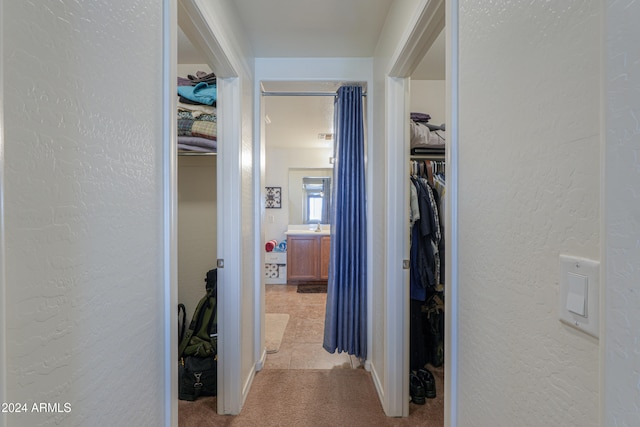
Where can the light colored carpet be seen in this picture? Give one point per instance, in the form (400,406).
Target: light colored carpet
(312,398)
(275,324)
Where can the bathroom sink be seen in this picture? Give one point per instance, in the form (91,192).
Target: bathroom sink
(307,232)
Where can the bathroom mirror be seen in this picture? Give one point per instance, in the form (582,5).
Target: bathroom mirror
(309,196)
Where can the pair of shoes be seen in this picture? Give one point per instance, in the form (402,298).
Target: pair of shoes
(416,389)
(428,381)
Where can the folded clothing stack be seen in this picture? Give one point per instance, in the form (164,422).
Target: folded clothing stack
(197,115)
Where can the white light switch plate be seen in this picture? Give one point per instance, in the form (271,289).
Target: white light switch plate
(580,293)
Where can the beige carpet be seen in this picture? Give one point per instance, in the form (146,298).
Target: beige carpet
(312,398)
(275,324)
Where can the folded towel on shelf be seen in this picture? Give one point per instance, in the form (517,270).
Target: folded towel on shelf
(197,109)
(198,142)
(270,245)
(187,147)
(420,117)
(203,93)
(202,128)
(282,246)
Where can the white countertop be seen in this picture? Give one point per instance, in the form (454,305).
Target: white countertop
(307,229)
(307,232)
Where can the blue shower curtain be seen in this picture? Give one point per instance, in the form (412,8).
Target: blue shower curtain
(345,323)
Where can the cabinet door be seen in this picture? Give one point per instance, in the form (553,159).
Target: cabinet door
(302,258)
(325,254)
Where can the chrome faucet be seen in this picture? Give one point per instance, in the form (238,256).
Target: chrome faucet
(319,227)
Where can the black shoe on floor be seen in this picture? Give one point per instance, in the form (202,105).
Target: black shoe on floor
(428,381)
(416,389)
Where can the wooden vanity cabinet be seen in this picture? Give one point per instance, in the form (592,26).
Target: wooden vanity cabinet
(308,258)
(325,254)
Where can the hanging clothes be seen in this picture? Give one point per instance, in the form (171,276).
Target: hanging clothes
(426,335)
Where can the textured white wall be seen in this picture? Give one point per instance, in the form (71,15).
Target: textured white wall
(83,116)
(622,213)
(528,191)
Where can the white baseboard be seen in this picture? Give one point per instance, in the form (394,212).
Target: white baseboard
(256,368)
(263,359)
(376,381)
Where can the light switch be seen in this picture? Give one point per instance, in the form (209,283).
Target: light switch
(580,293)
(577,294)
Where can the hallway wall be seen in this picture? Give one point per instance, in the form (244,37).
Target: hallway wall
(529,144)
(84,215)
(621,210)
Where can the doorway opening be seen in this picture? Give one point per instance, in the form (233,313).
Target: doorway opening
(298,139)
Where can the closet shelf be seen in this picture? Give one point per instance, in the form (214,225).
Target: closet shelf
(196,153)
(427,157)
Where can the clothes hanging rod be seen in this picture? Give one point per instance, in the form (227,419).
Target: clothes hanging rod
(302,94)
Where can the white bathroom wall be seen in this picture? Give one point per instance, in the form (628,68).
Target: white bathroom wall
(83,194)
(291,141)
(429,96)
(621,210)
(279,160)
(529,146)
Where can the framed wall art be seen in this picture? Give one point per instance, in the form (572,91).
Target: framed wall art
(273,198)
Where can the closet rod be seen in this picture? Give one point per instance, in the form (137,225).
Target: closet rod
(302,94)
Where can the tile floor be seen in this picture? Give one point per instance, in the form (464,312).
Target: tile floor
(301,346)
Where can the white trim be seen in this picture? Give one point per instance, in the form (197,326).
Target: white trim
(260,351)
(3,279)
(376,382)
(396,328)
(451,220)
(602,342)
(195,26)
(229,186)
(419,37)
(170,214)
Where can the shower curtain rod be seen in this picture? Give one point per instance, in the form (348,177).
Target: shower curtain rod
(302,94)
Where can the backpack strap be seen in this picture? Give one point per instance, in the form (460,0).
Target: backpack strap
(182,318)
(194,325)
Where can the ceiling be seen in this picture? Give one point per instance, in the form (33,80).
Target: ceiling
(312,28)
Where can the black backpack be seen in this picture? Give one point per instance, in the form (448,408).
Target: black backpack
(198,351)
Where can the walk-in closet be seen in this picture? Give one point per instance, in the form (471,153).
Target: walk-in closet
(427,184)
(197,219)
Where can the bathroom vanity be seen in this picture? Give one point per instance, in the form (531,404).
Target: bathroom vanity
(308,256)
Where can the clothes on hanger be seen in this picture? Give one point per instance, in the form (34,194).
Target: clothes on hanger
(427,190)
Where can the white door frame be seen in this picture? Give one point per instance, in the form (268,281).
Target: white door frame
(200,29)
(3,311)
(427,24)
